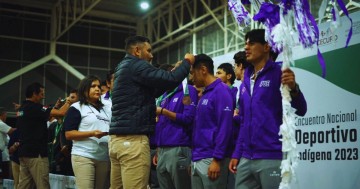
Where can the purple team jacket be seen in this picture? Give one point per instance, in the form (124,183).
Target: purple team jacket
(170,133)
(213,122)
(261,114)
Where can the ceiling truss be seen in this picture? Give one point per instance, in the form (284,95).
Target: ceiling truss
(175,20)
(167,24)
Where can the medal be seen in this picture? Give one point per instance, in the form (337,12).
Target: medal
(186,100)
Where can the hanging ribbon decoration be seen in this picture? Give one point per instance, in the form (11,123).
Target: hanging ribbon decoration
(269,16)
(240,14)
(345,11)
(283,38)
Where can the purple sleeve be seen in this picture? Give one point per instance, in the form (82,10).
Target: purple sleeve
(224,112)
(188,114)
(299,103)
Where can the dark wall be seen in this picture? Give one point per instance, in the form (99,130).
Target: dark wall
(16,54)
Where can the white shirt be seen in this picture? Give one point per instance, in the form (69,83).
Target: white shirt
(252,80)
(92,119)
(4,129)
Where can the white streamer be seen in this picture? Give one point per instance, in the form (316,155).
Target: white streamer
(283,38)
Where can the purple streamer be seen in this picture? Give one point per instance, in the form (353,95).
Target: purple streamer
(333,14)
(269,15)
(307,28)
(240,14)
(322,63)
(313,22)
(343,8)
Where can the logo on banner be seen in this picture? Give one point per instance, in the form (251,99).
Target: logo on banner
(327,37)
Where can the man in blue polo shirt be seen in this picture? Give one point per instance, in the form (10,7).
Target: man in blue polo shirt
(212,127)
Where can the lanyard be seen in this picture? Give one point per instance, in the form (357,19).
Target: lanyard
(161,98)
(57,130)
(98,111)
(185,91)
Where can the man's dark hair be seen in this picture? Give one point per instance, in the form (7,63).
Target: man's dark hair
(228,69)
(84,88)
(134,40)
(166,67)
(240,58)
(109,75)
(33,88)
(204,60)
(2,111)
(256,35)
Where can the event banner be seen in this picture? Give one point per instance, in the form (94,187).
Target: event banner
(328,136)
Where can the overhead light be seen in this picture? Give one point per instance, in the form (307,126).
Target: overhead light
(144,5)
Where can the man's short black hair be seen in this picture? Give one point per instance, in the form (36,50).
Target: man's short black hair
(205,60)
(33,88)
(134,40)
(228,69)
(240,58)
(256,35)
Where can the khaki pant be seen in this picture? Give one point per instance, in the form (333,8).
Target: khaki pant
(90,173)
(34,170)
(130,161)
(15,168)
